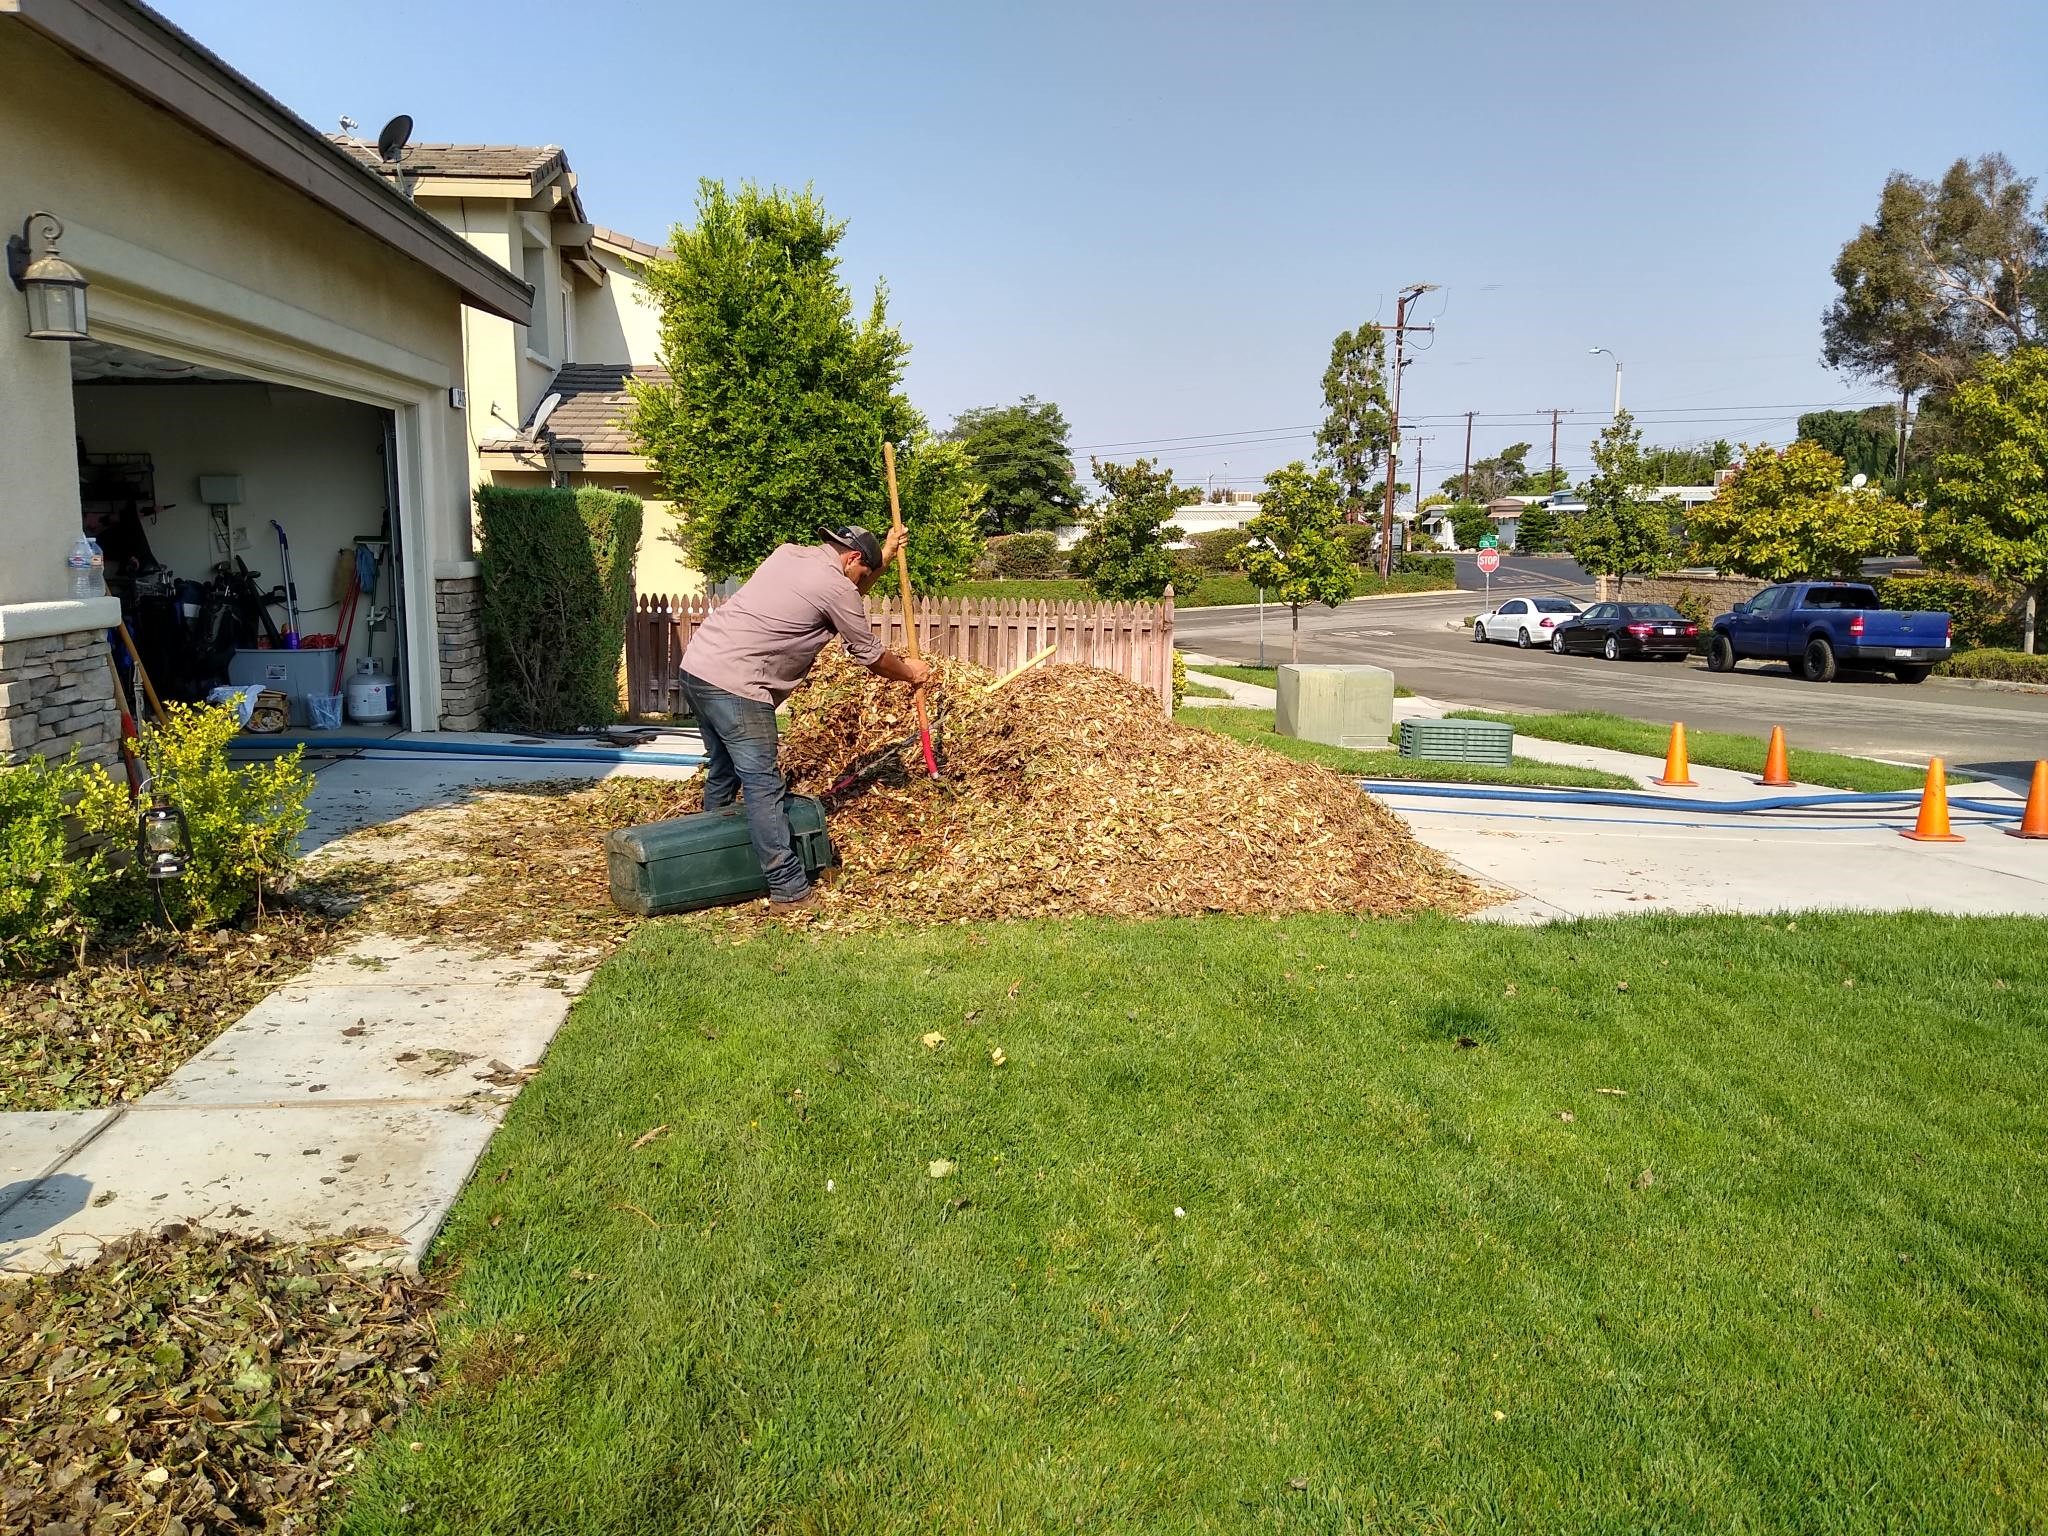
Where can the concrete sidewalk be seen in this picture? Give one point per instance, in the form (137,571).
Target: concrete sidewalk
(358,1096)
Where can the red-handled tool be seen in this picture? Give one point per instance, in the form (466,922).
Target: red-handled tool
(924,724)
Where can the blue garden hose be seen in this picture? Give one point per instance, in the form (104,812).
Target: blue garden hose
(1629,800)
(542,753)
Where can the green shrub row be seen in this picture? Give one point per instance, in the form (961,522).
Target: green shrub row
(557,568)
(67,839)
(2001,665)
(1021,557)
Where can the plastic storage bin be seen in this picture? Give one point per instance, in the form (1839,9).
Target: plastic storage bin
(705,860)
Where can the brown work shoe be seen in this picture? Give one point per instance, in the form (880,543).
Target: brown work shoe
(795,906)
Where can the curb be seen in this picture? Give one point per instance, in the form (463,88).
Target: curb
(1996,684)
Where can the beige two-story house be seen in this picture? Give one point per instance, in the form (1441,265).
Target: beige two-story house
(592,329)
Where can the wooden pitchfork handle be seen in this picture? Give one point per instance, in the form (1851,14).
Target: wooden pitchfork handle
(924,725)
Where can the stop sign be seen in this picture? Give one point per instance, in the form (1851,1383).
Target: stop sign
(1489,560)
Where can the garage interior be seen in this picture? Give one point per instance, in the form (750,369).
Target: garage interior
(184,469)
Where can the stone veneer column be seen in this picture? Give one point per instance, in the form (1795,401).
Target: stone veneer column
(56,693)
(459,616)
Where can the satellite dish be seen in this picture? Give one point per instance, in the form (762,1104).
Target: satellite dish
(543,411)
(1859,482)
(392,139)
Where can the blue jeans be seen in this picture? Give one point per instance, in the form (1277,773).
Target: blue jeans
(739,755)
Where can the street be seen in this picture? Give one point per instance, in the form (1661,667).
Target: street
(1981,730)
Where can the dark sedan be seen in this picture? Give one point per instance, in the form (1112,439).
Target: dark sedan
(1616,630)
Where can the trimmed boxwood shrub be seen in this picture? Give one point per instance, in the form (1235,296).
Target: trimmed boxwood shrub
(1025,557)
(2004,666)
(557,589)
(1438,567)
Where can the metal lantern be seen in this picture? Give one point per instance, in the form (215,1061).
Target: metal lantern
(162,841)
(55,288)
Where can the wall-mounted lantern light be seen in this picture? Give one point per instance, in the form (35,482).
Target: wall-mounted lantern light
(55,288)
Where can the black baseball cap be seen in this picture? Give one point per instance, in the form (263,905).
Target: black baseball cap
(859,540)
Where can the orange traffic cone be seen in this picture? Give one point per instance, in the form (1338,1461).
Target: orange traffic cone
(1932,824)
(1677,771)
(1777,764)
(2034,823)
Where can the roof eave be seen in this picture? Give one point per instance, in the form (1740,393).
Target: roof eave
(165,66)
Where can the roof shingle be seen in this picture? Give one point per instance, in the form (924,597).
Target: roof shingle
(486,162)
(591,417)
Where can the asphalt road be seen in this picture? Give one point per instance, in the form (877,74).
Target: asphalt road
(1986,730)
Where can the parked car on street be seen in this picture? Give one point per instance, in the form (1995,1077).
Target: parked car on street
(1524,621)
(1616,630)
(1823,626)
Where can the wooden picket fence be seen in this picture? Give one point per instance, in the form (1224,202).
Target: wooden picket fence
(1135,639)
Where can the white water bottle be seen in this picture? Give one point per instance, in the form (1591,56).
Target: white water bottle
(88,569)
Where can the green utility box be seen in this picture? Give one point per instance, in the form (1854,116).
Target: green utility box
(1340,706)
(705,860)
(1459,741)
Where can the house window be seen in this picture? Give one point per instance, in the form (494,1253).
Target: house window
(536,275)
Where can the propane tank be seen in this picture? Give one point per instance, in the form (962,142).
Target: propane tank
(372,696)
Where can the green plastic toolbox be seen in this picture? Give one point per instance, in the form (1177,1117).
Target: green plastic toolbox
(705,860)
(1459,741)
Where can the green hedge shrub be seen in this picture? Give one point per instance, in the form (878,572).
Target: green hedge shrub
(1983,614)
(1442,568)
(1216,552)
(45,882)
(1025,557)
(2004,666)
(558,589)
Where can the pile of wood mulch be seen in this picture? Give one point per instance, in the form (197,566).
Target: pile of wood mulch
(1067,792)
(190,1381)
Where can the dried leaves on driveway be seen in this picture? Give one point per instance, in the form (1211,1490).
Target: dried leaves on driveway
(111,1028)
(195,1381)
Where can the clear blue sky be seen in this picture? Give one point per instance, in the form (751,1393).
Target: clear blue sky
(1159,214)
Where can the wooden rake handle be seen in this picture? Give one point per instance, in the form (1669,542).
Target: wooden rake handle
(924,724)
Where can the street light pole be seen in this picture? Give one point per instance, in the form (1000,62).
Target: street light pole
(1595,352)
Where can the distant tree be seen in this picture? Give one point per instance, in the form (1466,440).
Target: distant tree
(1470,522)
(1123,555)
(1505,474)
(1865,441)
(1544,482)
(778,400)
(1988,505)
(1020,453)
(1295,548)
(1622,532)
(1536,530)
(1946,273)
(1353,437)
(941,496)
(1696,464)
(1787,516)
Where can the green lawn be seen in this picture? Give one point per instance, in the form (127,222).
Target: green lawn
(1268,677)
(1210,592)
(1256,727)
(1716,749)
(1195,690)
(1243,1238)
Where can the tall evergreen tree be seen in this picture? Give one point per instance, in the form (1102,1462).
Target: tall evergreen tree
(1020,453)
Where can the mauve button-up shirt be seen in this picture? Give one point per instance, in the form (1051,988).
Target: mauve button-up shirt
(761,641)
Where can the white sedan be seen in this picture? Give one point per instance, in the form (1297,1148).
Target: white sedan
(1526,621)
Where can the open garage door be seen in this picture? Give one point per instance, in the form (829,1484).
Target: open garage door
(251,529)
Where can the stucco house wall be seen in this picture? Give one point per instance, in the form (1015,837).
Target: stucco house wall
(195,252)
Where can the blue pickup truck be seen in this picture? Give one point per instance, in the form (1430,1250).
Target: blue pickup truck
(1821,627)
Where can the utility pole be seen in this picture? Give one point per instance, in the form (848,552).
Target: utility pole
(1465,485)
(1554,414)
(1419,441)
(1400,328)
